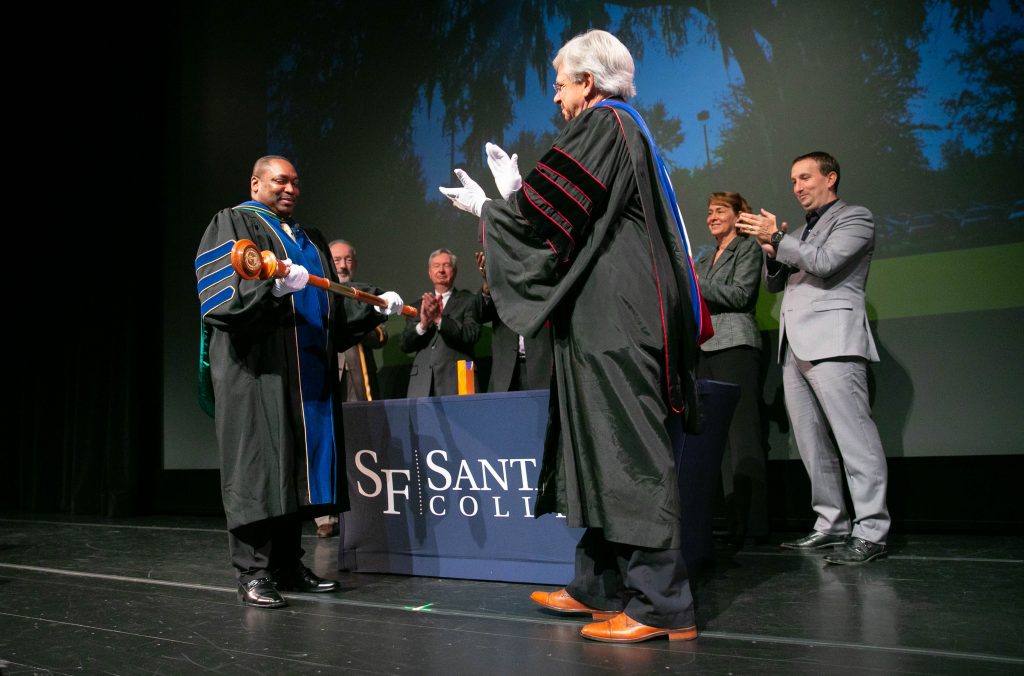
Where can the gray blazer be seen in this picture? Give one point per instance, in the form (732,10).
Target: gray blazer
(823,312)
(730,287)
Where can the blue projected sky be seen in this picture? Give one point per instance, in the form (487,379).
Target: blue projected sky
(698,79)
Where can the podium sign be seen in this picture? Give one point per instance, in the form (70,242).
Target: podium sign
(446,486)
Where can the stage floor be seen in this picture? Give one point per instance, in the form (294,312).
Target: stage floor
(156,595)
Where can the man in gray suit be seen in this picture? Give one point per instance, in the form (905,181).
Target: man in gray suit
(446,331)
(824,346)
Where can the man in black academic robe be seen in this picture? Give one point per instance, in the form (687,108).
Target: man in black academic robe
(273,348)
(590,243)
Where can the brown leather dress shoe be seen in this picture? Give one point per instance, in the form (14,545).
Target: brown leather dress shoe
(561,602)
(624,629)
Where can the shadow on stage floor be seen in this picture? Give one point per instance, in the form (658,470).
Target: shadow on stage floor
(156,595)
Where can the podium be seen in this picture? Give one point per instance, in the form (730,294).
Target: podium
(445,487)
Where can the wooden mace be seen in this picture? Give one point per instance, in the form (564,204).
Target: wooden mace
(251,263)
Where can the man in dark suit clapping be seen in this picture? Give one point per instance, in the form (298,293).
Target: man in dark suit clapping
(446,331)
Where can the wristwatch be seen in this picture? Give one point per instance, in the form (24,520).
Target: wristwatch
(777,237)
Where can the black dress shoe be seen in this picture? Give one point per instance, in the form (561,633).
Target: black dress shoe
(815,540)
(857,550)
(305,580)
(260,593)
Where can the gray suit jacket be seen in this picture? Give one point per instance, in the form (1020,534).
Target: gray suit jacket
(730,288)
(823,310)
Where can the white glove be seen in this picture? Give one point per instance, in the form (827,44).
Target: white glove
(505,170)
(395,303)
(294,281)
(470,197)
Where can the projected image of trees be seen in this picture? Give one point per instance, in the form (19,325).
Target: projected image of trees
(920,101)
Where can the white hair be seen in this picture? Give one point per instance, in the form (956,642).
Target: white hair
(342,241)
(602,55)
(438,252)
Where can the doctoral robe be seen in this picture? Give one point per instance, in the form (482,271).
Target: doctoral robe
(590,243)
(274,371)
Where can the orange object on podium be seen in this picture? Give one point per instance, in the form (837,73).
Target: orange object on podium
(467,377)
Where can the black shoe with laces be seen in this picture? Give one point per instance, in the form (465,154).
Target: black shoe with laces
(304,580)
(260,593)
(816,540)
(857,550)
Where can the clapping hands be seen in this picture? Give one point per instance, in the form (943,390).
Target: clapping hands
(470,197)
(430,310)
(505,170)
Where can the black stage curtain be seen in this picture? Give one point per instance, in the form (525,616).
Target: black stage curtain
(87,419)
(83,279)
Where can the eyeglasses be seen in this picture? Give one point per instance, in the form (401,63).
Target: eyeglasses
(558,86)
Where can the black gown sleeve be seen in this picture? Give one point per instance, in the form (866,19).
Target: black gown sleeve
(227,301)
(534,239)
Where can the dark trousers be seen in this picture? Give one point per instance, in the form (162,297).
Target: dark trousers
(744,476)
(649,585)
(261,548)
(519,377)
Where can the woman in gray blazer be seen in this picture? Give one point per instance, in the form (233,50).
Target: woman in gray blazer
(729,280)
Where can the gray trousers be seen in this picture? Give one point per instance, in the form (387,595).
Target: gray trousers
(833,395)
